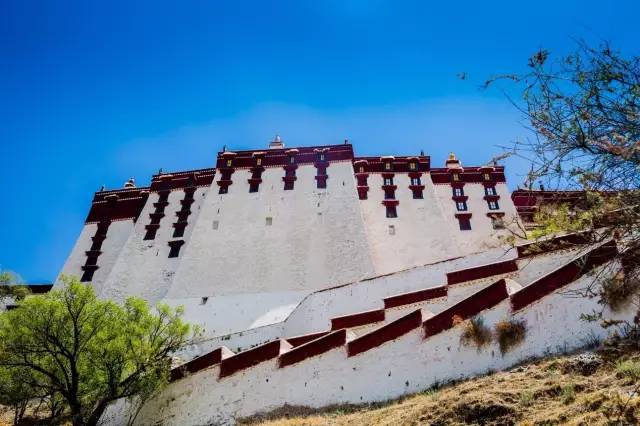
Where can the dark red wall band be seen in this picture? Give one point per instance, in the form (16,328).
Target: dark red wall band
(563,276)
(386,333)
(467,308)
(483,271)
(313,348)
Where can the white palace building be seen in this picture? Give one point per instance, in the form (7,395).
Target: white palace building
(320,277)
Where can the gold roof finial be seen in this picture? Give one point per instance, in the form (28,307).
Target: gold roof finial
(452,156)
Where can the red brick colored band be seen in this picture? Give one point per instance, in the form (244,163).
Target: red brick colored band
(415,297)
(200,363)
(117,205)
(313,348)
(355,320)
(563,275)
(251,357)
(384,334)
(281,157)
(484,299)
(304,338)
(483,271)
(557,243)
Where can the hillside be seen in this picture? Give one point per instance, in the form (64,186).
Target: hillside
(581,389)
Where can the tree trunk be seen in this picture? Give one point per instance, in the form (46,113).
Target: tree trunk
(97,412)
(76,414)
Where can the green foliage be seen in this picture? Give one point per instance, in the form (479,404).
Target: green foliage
(10,289)
(90,351)
(568,394)
(16,390)
(526,398)
(629,369)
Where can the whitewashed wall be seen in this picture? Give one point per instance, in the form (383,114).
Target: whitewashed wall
(406,365)
(143,267)
(315,311)
(235,313)
(117,235)
(420,233)
(482,235)
(316,239)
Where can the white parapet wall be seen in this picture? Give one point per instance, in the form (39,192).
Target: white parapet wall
(404,365)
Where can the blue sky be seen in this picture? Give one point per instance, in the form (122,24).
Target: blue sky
(92,93)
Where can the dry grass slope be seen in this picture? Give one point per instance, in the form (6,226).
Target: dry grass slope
(583,389)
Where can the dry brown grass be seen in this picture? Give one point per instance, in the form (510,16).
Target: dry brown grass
(574,390)
(475,333)
(510,333)
(618,292)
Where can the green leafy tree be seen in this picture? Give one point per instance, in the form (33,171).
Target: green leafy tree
(10,290)
(88,351)
(16,391)
(584,112)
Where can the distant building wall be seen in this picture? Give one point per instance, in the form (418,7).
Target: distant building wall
(276,240)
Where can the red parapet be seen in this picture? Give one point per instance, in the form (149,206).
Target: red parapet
(313,348)
(281,157)
(415,297)
(398,164)
(558,243)
(356,320)
(252,357)
(483,271)
(563,275)
(117,205)
(205,361)
(304,338)
(484,299)
(467,175)
(384,334)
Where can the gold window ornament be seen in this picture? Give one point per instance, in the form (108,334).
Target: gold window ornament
(456,177)
(229,163)
(361,169)
(292,159)
(259,162)
(387,166)
(487,176)
(412,166)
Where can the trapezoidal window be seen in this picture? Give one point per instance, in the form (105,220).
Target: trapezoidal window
(392,212)
(253,187)
(490,190)
(465,224)
(174,248)
(493,205)
(458,192)
(388,181)
(415,181)
(461,206)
